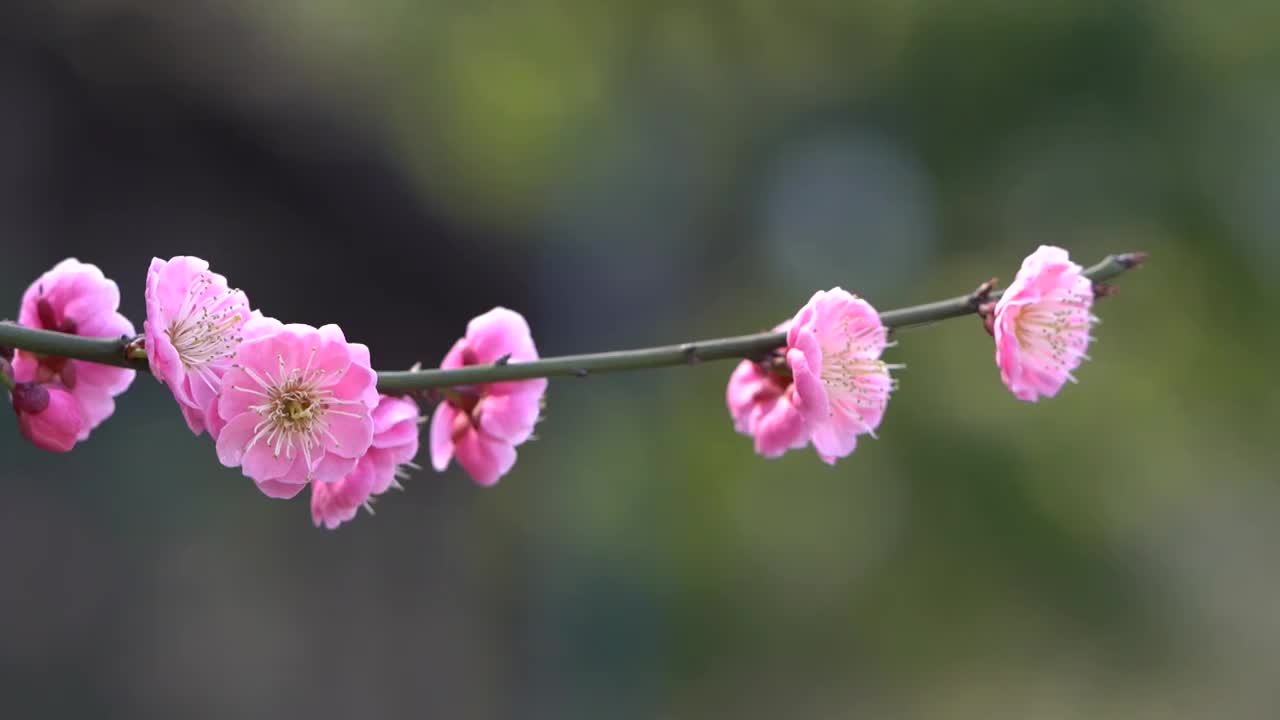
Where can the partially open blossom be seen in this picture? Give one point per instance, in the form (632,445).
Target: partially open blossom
(395,443)
(841,386)
(47,416)
(1041,324)
(297,405)
(481,425)
(76,298)
(193,328)
(762,401)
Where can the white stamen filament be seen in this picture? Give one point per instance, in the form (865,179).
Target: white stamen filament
(206,330)
(853,373)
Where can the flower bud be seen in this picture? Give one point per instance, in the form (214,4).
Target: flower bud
(6,372)
(48,416)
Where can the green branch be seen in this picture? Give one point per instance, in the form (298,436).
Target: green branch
(122,352)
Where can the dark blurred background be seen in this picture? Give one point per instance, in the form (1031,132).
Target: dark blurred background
(633,172)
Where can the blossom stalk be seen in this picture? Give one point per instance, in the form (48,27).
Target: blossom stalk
(116,352)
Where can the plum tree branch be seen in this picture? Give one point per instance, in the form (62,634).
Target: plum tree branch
(124,351)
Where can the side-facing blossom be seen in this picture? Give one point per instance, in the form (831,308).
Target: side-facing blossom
(395,443)
(47,416)
(1041,324)
(76,298)
(193,327)
(298,407)
(762,402)
(827,386)
(481,425)
(833,349)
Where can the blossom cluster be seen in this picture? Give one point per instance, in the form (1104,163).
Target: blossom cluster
(296,407)
(828,385)
(292,406)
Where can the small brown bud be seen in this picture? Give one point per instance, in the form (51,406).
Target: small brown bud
(1102,290)
(983,292)
(1132,259)
(987,311)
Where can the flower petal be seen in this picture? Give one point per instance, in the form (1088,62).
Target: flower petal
(332,468)
(280,489)
(484,458)
(442,435)
(235,437)
(500,332)
(267,461)
(779,428)
(511,418)
(811,394)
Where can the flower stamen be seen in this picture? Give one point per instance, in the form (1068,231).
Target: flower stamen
(205,332)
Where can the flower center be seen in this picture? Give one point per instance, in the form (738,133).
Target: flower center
(203,332)
(296,410)
(467,401)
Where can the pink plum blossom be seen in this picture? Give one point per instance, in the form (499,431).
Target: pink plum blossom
(395,443)
(76,298)
(762,402)
(193,328)
(47,416)
(841,386)
(298,407)
(481,425)
(1041,324)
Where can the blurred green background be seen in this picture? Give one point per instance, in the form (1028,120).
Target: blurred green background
(640,171)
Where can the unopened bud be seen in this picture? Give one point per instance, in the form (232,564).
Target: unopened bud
(987,311)
(1132,259)
(983,292)
(48,417)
